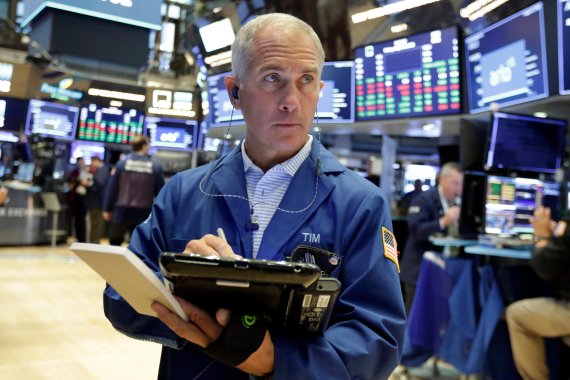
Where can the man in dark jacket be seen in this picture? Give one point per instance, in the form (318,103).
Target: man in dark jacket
(532,320)
(94,198)
(432,211)
(131,191)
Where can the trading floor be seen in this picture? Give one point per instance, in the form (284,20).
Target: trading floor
(52,324)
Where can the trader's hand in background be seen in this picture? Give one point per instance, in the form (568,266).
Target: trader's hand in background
(542,223)
(3,195)
(107,216)
(451,215)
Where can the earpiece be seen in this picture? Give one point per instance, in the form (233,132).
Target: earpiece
(235,92)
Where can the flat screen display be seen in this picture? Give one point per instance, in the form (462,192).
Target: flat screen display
(564,45)
(417,75)
(110,124)
(87,150)
(143,13)
(510,203)
(221,108)
(506,62)
(172,134)
(49,119)
(12,118)
(217,35)
(525,143)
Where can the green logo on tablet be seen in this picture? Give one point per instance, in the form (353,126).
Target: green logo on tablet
(248,320)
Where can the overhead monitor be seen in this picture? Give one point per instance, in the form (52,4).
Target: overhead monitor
(336,100)
(525,143)
(217,35)
(145,14)
(221,111)
(49,119)
(172,134)
(12,118)
(110,124)
(564,46)
(87,150)
(506,62)
(510,203)
(418,75)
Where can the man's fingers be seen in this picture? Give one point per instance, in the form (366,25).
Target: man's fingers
(210,245)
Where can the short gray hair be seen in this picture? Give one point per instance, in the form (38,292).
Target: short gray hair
(448,168)
(243,49)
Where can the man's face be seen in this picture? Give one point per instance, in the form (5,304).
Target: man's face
(451,185)
(279,94)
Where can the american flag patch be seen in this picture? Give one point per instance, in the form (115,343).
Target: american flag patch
(390,246)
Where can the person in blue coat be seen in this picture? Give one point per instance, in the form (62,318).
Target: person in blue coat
(278,189)
(432,211)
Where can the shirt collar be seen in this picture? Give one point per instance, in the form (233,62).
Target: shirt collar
(290,166)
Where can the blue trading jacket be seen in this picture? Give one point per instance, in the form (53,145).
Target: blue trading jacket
(365,334)
(423,220)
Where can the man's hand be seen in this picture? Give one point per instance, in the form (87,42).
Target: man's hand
(3,195)
(202,329)
(210,245)
(107,216)
(541,222)
(451,215)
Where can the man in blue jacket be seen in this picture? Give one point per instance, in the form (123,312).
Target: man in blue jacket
(432,211)
(279,189)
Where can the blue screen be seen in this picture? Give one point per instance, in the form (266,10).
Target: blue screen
(564,45)
(172,134)
(86,149)
(506,62)
(525,143)
(51,120)
(143,13)
(413,76)
(221,107)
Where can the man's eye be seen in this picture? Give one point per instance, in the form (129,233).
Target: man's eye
(272,77)
(307,79)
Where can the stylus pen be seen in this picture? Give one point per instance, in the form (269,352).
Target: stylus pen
(222,234)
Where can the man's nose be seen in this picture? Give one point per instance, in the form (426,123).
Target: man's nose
(289,101)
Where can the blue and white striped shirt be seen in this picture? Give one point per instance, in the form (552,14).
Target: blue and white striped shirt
(265,191)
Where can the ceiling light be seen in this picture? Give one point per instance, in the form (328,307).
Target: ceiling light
(399,28)
(428,127)
(543,115)
(397,7)
(480,8)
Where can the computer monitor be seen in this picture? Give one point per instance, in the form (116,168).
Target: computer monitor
(172,134)
(12,118)
(510,203)
(217,35)
(506,62)
(564,46)
(418,75)
(221,111)
(525,143)
(87,150)
(49,119)
(110,124)
(25,172)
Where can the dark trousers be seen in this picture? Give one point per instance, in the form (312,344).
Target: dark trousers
(409,292)
(118,230)
(79,213)
(97,230)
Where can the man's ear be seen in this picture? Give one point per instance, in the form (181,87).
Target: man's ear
(232,87)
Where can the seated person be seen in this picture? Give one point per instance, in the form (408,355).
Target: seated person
(531,320)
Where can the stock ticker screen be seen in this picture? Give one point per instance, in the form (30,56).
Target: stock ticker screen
(417,75)
(109,124)
(53,120)
(564,45)
(506,62)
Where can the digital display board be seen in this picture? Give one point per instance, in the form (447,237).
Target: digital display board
(172,134)
(525,143)
(12,118)
(86,150)
(417,75)
(51,120)
(564,45)
(506,62)
(336,100)
(221,107)
(110,124)
(143,13)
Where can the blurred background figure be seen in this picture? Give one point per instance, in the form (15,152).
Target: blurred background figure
(410,196)
(3,195)
(531,320)
(94,199)
(78,181)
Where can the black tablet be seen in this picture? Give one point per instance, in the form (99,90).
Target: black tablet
(250,285)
